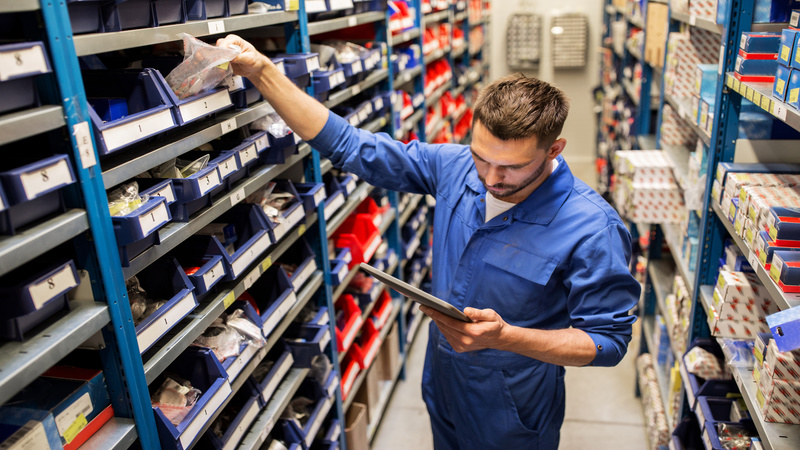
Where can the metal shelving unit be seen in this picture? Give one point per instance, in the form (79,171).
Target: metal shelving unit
(326,26)
(348,93)
(435,17)
(30,122)
(407,75)
(402,38)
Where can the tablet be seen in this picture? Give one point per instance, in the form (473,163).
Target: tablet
(415,294)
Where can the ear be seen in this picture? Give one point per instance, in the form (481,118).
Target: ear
(557,147)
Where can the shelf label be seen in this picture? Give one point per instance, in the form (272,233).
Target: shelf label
(343,273)
(213,275)
(729,81)
(266,264)
(262,143)
(234,83)
(229,125)
(83,138)
(209,181)
(244,424)
(216,27)
(190,432)
(167,192)
(237,196)
(279,313)
(766,103)
(43,180)
(319,196)
(312,64)
(756,97)
(692,20)
(122,135)
(72,415)
(736,85)
(43,292)
(248,154)
(779,110)
(229,299)
(22,62)
(153,219)
(352,21)
(30,436)
(161,324)
(206,105)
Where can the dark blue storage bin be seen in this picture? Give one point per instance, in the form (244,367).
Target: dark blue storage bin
(696,386)
(306,342)
(227,166)
(248,96)
(367,298)
(202,263)
(319,410)
(325,81)
(279,149)
(711,437)
(274,296)
(206,9)
(716,409)
(17,86)
(234,366)
(687,435)
(282,360)
(335,195)
(246,156)
(301,256)
(193,193)
(121,15)
(313,195)
(339,271)
(138,230)
(32,294)
(169,11)
(84,16)
(164,279)
(191,108)
(299,64)
(248,402)
(33,192)
(149,108)
(387,261)
(253,238)
(330,440)
(201,368)
(157,189)
(237,7)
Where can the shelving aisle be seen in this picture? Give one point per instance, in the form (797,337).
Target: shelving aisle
(135,359)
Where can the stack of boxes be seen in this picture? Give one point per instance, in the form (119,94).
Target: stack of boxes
(777,375)
(786,86)
(741,305)
(679,310)
(684,52)
(704,95)
(673,130)
(757,60)
(646,191)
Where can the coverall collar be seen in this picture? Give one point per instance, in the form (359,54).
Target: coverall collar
(542,205)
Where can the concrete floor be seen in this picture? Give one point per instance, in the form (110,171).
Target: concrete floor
(602,411)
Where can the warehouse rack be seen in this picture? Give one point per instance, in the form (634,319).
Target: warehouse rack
(87,226)
(715,227)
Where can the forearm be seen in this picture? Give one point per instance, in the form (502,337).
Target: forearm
(304,114)
(567,347)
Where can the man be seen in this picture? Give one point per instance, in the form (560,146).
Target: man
(532,255)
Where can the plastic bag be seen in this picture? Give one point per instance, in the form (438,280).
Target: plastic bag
(175,397)
(239,322)
(738,352)
(223,339)
(125,199)
(347,52)
(204,66)
(166,170)
(271,201)
(189,168)
(137,298)
(298,410)
(273,124)
(732,437)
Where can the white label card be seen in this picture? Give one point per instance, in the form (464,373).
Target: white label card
(312,64)
(204,106)
(227,167)
(216,26)
(266,393)
(277,315)
(81,406)
(319,196)
(237,196)
(301,278)
(37,182)
(124,134)
(30,437)
(193,429)
(158,327)
(352,21)
(248,154)
(249,255)
(350,186)
(247,420)
(294,217)
(334,205)
(208,181)
(213,275)
(83,138)
(343,273)
(154,218)
(44,291)
(356,89)
(238,364)
(779,110)
(229,125)
(167,192)
(721,58)
(753,259)
(331,390)
(22,62)
(325,339)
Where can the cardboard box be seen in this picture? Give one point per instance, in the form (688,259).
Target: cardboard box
(705,80)
(779,400)
(785,270)
(755,67)
(355,428)
(389,356)
(786,50)
(783,225)
(780,86)
(28,428)
(369,394)
(657,28)
(782,365)
(760,42)
(785,328)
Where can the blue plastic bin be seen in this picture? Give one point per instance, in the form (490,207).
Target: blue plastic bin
(253,238)
(192,108)
(246,156)
(84,16)
(121,15)
(274,296)
(282,360)
(200,367)
(164,279)
(33,192)
(149,108)
(301,256)
(138,230)
(687,435)
(167,12)
(194,192)
(306,342)
(202,265)
(325,81)
(234,366)
(249,403)
(313,195)
(157,189)
(206,9)
(32,294)
(292,213)
(17,86)
(318,410)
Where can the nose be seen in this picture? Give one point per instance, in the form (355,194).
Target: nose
(493,176)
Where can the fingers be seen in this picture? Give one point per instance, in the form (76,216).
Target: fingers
(480,315)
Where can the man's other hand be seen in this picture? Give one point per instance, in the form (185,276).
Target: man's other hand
(485,332)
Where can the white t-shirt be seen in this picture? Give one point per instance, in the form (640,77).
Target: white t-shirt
(495,207)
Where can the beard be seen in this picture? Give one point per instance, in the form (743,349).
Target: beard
(511,189)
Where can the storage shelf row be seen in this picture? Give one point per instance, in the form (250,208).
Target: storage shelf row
(183,334)
(783,300)
(174,233)
(436,54)
(91,44)
(405,36)
(21,362)
(683,111)
(435,17)
(407,75)
(325,26)
(30,122)
(363,374)
(648,330)
(346,94)
(761,95)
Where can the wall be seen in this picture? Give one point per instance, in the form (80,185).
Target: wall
(580,128)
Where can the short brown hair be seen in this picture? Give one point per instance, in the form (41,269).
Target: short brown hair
(518,107)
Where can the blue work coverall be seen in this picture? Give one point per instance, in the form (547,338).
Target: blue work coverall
(558,259)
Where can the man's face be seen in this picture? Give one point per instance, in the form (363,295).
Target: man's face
(510,170)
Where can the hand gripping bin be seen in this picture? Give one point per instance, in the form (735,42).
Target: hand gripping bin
(138,230)
(252,239)
(164,279)
(302,258)
(200,367)
(306,341)
(274,298)
(31,294)
(348,322)
(206,9)
(697,386)
(325,81)
(248,402)
(33,191)
(313,194)
(84,16)
(17,82)
(360,235)
(166,12)
(149,109)
(204,267)
(193,193)
(121,15)
(272,370)
(319,409)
